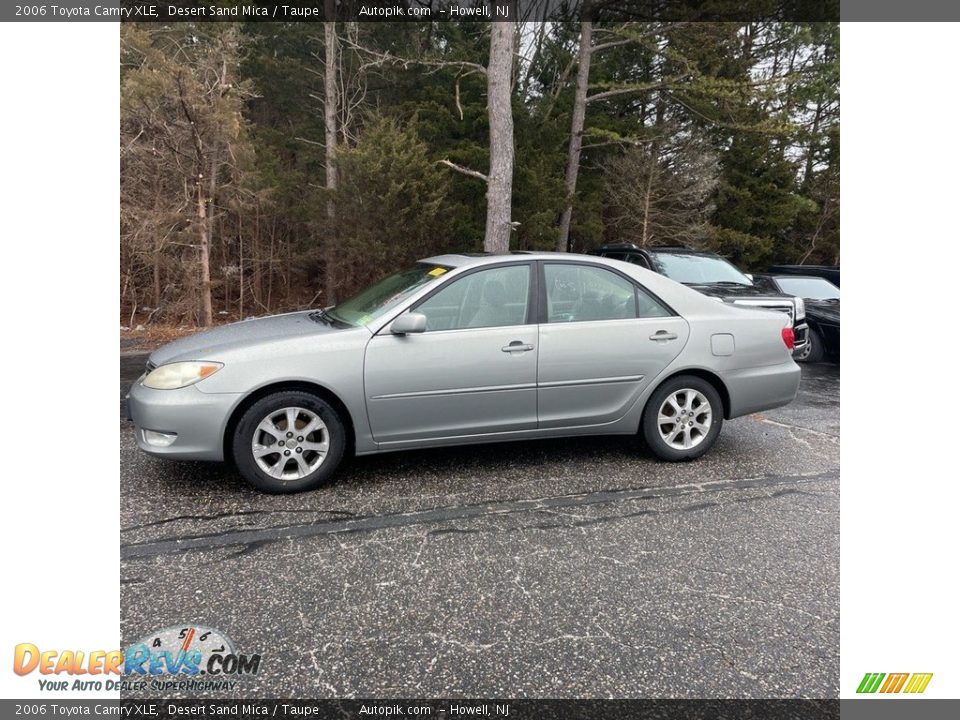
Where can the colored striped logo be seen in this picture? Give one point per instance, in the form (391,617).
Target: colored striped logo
(894,682)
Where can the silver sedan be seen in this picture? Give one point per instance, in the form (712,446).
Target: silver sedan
(465,349)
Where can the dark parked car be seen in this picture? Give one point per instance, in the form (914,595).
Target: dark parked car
(827,272)
(822,300)
(712,275)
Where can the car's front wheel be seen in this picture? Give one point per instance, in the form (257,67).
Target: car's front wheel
(288,442)
(813,351)
(682,418)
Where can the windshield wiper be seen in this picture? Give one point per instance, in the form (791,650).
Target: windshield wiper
(323,316)
(719,282)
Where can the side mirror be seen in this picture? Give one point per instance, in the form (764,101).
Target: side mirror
(411,322)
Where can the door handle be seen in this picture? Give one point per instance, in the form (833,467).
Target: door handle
(663,336)
(517,346)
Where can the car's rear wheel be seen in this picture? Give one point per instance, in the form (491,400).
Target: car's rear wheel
(288,442)
(682,418)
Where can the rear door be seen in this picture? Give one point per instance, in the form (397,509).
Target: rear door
(603,338)
(473,371)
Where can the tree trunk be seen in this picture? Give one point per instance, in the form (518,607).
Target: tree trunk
(811,149)
(330,127)
(647,192)
(207,216)
(652,164)
(256,260)
(576,133)
(157,247)
(157,290)
(240,241)
(211,228)
(500,112)
(206,303)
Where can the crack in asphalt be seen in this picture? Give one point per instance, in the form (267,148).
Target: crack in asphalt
(253,538)
(832,437)
(239,513)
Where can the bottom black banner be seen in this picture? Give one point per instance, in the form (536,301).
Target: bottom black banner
(524,709)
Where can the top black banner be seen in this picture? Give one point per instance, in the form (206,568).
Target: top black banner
(480,10)
(428,10)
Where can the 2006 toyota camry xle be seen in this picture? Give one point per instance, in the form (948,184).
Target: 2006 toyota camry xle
(465,349)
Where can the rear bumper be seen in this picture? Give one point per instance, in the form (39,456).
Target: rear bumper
(197,419)
(762,388)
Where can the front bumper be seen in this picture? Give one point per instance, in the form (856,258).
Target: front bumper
(198,420)
(800,338)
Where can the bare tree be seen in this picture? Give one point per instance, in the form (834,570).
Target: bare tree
(500,111)
(622,35)
(662,192)
(330,96)
(576,131)
(499,72)
(182,130)
(499,179)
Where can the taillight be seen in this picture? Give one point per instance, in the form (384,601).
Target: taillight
(787,335)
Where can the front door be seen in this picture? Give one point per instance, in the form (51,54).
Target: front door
(603,341)
(473,371)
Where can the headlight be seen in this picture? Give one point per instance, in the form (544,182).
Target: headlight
(801,310)
(180,374)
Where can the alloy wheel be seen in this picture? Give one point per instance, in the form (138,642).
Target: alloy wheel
(290,443)
(684,419)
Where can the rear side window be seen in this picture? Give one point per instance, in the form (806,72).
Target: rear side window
(579,293)
(649,307)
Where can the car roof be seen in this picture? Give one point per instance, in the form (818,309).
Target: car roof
(817,267)
(471,259)
(631,247)
(678,250)
(788,276)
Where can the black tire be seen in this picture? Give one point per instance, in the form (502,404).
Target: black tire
(334,434)
(814,352)
(651,430)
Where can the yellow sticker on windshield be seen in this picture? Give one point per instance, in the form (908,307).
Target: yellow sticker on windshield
(437,271)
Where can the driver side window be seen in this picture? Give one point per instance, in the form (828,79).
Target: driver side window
(497,297)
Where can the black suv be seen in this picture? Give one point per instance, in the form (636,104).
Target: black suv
(712,275)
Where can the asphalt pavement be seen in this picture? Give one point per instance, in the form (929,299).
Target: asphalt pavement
(558,568)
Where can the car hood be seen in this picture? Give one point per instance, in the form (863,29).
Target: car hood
(734,291)
(825,311)
(210,343)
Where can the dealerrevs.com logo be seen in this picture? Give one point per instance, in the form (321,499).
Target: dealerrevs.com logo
(191,658)
(910,683)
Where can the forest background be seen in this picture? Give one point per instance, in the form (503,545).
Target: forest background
(274,166)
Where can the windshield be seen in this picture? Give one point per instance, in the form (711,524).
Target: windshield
(380,297)
(697,269)
(810,288)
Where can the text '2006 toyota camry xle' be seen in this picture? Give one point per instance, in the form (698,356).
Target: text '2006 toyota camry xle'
(464,349)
